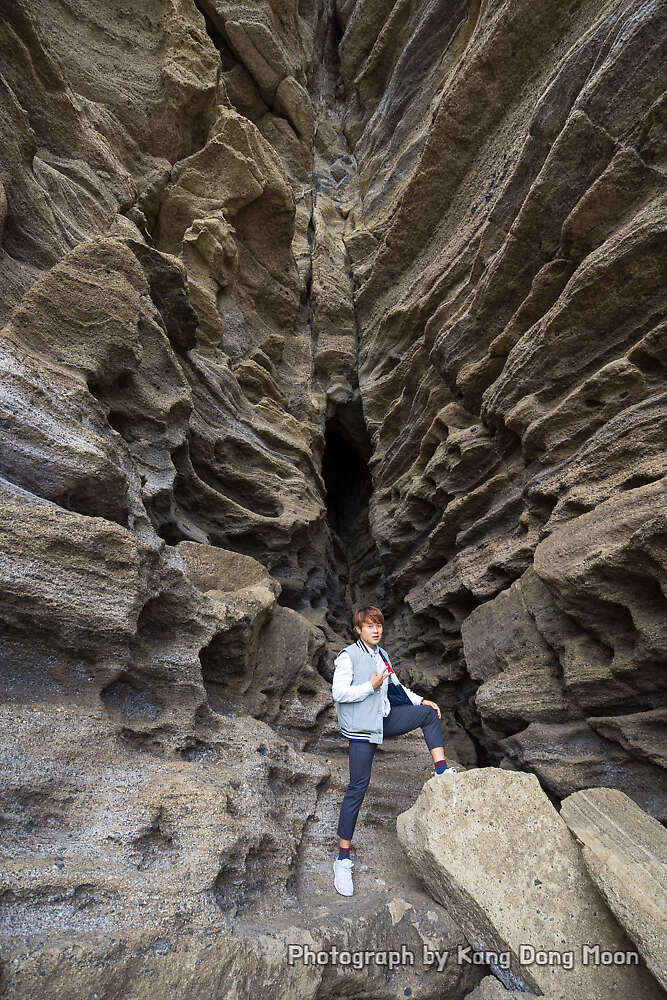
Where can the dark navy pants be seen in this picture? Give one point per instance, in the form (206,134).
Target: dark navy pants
(401,719)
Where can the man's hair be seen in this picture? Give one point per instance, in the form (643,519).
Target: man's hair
(369,614)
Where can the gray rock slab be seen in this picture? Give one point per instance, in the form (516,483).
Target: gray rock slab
(490,846)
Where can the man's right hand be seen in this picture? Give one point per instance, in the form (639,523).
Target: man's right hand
(377,679)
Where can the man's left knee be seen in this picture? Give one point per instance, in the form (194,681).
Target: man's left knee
(430,717)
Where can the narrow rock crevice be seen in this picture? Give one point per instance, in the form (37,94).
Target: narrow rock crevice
(349,489)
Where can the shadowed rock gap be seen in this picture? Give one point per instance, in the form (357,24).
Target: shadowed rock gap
(349,489)
(348,484)
(226,56)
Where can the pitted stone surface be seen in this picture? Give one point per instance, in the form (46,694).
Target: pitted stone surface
(232,234)
(625,852)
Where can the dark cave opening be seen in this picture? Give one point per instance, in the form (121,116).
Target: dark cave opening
(354,572)
(347,480)
(219,39)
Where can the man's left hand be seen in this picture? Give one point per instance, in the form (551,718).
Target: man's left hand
(432,704)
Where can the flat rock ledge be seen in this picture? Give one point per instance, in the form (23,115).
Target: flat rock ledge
(625,852)
(491,848)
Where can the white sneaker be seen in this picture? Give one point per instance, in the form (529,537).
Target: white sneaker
(448,770)
(343,876)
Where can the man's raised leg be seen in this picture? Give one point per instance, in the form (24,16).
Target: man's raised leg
(405,718)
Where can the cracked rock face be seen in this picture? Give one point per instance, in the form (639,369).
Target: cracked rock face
(305,304)
(492,848)
(625,852)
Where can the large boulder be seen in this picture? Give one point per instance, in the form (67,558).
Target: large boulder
(625,852)
(491,847)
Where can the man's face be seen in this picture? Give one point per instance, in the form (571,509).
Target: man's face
(370,632)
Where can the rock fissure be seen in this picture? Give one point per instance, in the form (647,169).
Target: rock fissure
(309,304)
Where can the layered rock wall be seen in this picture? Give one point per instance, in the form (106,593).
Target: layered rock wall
(303,304)
(512,372)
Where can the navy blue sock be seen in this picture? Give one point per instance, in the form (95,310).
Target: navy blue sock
(441,766)
(344,852)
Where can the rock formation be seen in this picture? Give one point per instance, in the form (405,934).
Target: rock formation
(625,852)
(491,988)
(305,304)
(493,850)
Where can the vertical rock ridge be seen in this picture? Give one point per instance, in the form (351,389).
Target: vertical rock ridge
(471,397)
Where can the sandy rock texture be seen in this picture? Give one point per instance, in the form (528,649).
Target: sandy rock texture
(625,852)
(512,370)
(303,304)
(492,849)
(159,839)
(491,988)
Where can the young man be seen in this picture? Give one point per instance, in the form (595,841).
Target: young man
(371,704)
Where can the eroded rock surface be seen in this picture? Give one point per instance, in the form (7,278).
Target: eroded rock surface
(305,304)
(515,394)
